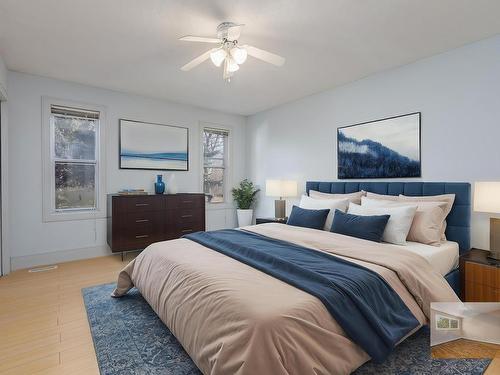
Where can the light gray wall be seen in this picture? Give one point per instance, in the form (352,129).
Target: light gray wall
(483,327)
(3,77)
(458,93)
(4,244)
(35,242)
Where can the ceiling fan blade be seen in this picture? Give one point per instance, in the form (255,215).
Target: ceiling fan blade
(197,61)
(202,39)
(268,57)
(234,32)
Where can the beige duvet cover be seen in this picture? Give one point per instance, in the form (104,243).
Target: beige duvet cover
(234,319)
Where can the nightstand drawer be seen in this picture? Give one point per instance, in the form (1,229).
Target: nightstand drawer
(481,293)
(482,274)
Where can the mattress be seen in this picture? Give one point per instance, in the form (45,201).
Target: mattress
(443,259)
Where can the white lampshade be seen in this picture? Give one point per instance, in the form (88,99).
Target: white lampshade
(281,188)
(218,56)
(239,54)
(487,197)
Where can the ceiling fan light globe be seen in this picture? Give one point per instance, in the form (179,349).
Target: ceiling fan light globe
(232,66)
(218,56)
(239,55)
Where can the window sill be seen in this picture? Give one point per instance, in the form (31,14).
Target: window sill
(73,216)
(219,206)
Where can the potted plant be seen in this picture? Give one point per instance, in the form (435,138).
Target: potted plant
(244,195)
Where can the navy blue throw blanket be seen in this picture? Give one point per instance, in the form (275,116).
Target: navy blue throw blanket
(365,306)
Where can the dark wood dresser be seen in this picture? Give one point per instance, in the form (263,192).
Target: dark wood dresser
(136,221)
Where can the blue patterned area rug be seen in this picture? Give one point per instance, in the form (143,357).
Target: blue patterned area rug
(130,339)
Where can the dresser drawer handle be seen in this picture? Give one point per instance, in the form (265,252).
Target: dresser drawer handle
(187,230)
(141,204)
(187,201)
(185,216)
(142,236)
(142,221)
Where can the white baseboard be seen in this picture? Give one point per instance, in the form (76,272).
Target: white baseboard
(61,256)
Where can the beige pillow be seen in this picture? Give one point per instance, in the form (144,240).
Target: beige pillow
(382,197)
(427,222)
(448,198)
(352,197)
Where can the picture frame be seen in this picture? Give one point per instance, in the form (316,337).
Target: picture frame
(380,149)
(153,146)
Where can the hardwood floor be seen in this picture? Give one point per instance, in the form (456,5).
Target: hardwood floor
(43,323)
(463,348)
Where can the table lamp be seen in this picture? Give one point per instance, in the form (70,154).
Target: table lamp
(281,189)
(487,199)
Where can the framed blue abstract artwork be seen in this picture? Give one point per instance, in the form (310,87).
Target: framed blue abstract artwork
(386,148)
(145,145)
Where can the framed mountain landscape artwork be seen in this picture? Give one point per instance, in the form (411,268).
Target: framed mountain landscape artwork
(387,148)
(145,145)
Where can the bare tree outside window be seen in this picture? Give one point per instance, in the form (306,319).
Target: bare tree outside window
(74,157)
(214,164)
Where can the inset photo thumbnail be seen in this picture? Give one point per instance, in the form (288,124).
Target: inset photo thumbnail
(465,330)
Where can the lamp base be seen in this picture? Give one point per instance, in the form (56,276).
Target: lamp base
(279,209)
(494,238)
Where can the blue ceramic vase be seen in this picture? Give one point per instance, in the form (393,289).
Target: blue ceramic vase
(159,185)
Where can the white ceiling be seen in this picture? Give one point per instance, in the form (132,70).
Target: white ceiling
(132,46)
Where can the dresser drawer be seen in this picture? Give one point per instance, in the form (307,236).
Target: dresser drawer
(185,201)
(481,293)
(148,220)
(145,203)
(191,227)
(482,274)
(190,215)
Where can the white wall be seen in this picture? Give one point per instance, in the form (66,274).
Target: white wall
(5,255)
(458,93)
(35,242)
(483,327)
(3,76)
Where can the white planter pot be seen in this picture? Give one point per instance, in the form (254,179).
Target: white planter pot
(244,217)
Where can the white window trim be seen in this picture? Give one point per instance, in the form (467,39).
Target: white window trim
(228,200)
(49,213)
(439,316)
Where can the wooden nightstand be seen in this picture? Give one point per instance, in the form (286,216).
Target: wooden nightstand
(480,277)
(263,220)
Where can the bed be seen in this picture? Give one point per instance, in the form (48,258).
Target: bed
(231,318)
(458,228)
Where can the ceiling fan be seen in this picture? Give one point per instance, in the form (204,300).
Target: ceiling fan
(228,53)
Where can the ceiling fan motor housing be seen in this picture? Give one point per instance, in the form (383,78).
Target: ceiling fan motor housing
(222,29)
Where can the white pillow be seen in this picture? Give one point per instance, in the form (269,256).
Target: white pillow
(318,204)
(399,223)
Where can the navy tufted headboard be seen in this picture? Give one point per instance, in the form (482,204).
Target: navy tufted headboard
(458,228)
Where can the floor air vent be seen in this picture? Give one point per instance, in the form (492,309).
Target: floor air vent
(43,269)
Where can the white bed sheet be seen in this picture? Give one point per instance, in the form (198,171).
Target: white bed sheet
(442,258)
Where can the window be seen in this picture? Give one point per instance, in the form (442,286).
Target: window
(215,163)
(73,177)
(443,322)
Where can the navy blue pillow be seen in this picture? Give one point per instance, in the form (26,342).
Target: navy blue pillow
(315,219)
(366,227)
